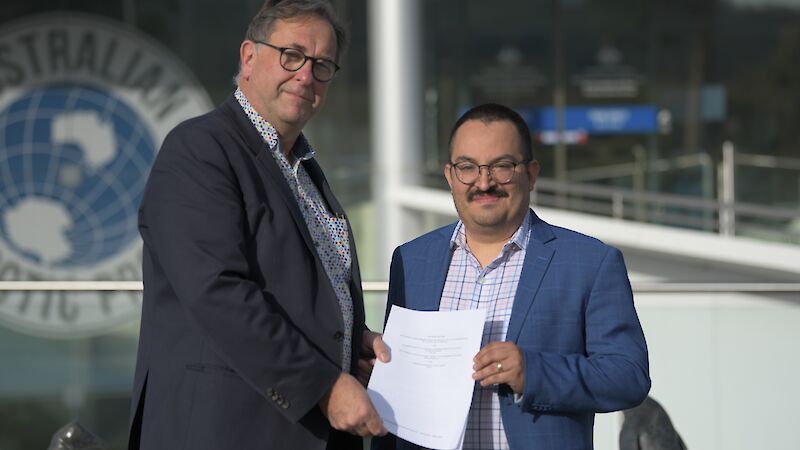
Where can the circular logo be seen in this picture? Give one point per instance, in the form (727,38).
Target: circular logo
(84,106)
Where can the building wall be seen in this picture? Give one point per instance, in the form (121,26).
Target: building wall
(719,70)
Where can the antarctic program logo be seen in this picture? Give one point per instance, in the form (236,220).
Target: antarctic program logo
(84,105)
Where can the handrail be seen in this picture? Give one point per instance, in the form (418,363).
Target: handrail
(609,193)
(383,286)
(43,286)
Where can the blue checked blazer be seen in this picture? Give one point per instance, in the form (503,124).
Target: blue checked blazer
(574,320)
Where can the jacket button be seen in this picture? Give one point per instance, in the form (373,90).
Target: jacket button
(338,336)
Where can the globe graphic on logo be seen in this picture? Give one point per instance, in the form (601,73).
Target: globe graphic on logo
(73,163)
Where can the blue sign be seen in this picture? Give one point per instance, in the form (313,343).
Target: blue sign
(595,120)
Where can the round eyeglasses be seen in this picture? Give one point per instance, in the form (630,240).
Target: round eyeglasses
(293,60)
(502,172)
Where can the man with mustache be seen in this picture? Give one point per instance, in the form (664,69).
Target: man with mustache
(562,340)
(253,319)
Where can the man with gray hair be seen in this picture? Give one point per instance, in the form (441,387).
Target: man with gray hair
(252,332)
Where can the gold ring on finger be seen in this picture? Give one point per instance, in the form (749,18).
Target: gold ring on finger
(499,367)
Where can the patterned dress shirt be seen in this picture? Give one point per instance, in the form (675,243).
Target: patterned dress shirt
(328,232)
(468,286)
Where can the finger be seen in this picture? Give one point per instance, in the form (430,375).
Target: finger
(496,351)
(508,357)
(367,343)
(493,346)
(490,359)
(375,426)
(352,425)
(498,378)
(497,346)
(490,351)
(381,349)
(487,372)
(509,365)
(360,430)
(366,350)
(494,375)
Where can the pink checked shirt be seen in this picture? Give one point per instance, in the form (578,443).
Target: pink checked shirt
(468,286)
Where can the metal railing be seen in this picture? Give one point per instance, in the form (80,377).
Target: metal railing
(383,286)
(625,203)
(717,209)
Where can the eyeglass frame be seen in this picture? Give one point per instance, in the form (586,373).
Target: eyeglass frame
(489,169)
(314,60)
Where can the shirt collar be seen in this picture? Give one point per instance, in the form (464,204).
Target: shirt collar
(520,237)
(302,149)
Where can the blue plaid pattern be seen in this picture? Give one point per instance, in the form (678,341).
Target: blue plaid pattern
(329,233)
(468,286)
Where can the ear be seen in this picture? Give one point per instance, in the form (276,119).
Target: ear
(448,176)
(247,54)
(533,173)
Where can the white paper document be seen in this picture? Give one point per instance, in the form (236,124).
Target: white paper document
(424,393)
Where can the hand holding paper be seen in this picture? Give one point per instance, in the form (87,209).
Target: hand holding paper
(348,408)
(372,349)
(424,393)
(500,363)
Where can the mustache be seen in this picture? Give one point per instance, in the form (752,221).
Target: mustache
(494,192)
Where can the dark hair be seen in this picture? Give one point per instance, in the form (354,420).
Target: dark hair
(263,22)
(492,112)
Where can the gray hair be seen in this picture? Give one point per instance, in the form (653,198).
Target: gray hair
(262,24)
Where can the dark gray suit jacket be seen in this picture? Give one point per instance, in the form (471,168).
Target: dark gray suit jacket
(241,329)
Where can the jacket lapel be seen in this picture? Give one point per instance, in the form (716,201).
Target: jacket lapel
(314,172)
(318,177)
(275,177)
(537,261)
(434,271)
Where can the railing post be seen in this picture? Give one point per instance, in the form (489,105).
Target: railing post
(727,191)
(707,182)
(639,175)
(618,206)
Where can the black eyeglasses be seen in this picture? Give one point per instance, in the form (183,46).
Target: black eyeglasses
(502,172)
(293,60)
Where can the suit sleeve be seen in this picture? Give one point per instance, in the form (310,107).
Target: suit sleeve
(397,288)
(192,221)
(613,373)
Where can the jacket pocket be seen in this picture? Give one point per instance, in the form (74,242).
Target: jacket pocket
(212,369)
